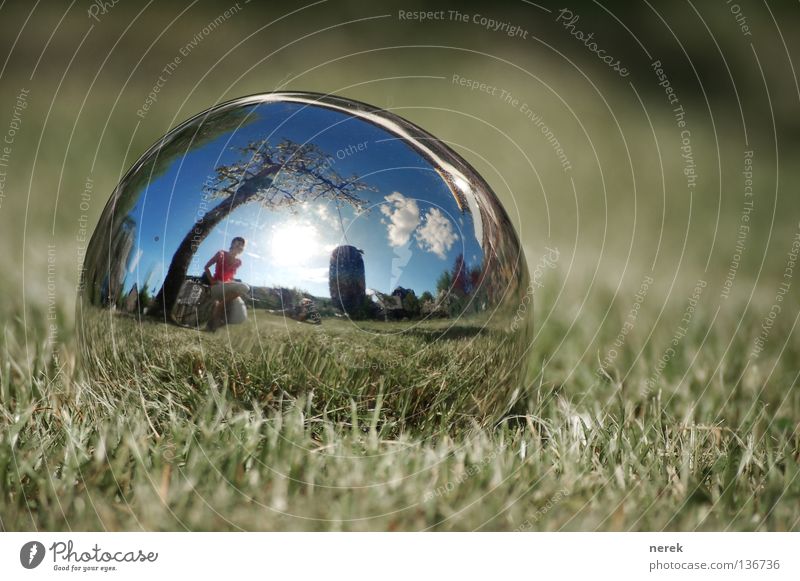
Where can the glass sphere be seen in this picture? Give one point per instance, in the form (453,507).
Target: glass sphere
(301,245)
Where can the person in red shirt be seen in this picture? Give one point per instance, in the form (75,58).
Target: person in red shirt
(225,291)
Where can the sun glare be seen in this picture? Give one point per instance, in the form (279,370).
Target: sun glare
(294,244)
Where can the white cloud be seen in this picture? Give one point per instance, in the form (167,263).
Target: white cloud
(403,214)
(436,234)
(326,216)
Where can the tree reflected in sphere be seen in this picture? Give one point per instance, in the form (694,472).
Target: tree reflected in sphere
(297,244)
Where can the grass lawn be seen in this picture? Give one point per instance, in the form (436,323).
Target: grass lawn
(187,435)
(668,422)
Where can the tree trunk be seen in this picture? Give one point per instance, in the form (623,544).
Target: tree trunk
(182,259)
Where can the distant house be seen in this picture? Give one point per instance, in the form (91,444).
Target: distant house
(389,306)
(131,304)
(402,303)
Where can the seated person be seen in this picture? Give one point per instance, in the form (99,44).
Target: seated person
(225,290)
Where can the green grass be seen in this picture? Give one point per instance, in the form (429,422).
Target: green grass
(187,439)
(183,436)
(423,376)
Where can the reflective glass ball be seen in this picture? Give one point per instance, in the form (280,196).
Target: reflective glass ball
(309,246)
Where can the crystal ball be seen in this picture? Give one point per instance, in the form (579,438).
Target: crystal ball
(297,245)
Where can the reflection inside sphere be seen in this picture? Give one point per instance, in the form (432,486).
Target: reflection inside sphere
(280,213)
